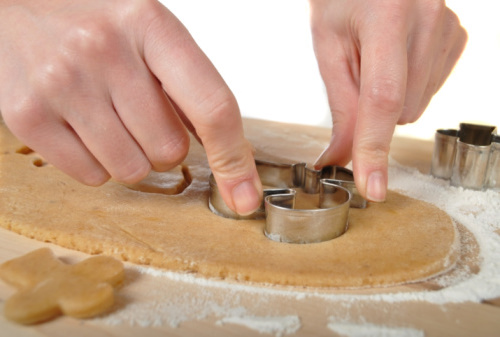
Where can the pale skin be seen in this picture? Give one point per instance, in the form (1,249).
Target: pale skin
(110,88)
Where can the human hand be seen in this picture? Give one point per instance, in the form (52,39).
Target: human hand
(109,88)
(381,61)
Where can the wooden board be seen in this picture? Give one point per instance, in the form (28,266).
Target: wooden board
(462,319)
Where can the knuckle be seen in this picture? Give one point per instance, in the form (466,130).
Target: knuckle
(144,6)
(53,76)
(25,116)
(455,27)
(461,42)
(232,165)
(218,105)
(373,153)
(435,8)
(172,153)
(452,21)
(386,95)
(463,37)
(142,15)
(91,36)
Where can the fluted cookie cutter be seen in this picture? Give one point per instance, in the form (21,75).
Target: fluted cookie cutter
(336,193)
(493,171)
(469,157)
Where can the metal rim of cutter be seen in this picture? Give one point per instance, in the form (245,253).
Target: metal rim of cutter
(337,192)
(330,220)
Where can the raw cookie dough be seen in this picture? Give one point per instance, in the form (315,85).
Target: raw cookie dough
(47,287)
(401,240)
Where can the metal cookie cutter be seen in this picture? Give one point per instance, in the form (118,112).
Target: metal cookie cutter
(284,223)
(467,156)
(493,172)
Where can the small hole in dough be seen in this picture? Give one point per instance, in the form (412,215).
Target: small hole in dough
(38,162)
(24,150)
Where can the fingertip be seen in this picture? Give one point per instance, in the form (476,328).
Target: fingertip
(237,178)
(94,178)
(247,196)
(376,186)
(338,152)
(323,158)
(133,172)
(370,174)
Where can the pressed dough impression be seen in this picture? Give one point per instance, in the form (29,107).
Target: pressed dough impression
(165,222)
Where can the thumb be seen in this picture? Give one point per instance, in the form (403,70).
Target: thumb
(193,83)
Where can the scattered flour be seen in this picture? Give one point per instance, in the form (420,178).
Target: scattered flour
(270,325)
(371,330)
(196,298)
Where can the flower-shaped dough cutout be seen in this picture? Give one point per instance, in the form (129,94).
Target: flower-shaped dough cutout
(47,287)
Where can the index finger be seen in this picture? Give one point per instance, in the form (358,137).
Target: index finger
(193,83)
(382,94)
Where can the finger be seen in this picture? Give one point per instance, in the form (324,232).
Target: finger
(435,49)
(339,70)
(187,123)
(104,135)
(420,67)
(425,42)
(382,94)
(194,84)
(458,41)
(149,116)
(56,141)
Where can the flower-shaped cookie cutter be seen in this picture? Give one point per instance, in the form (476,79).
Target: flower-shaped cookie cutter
(469,157)
(334,185)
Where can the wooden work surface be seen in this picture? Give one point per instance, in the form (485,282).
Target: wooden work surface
(452,319)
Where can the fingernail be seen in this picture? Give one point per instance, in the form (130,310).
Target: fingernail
(246,198)
(376,187)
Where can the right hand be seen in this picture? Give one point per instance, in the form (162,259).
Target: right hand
(381,61)
(109,89)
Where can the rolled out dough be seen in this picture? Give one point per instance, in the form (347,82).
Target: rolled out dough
(401,240)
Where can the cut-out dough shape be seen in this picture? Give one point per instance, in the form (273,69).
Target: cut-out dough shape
(47,287)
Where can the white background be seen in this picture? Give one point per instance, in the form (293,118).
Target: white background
(263,50)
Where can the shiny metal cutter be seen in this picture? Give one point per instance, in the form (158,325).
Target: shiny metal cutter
(336,193)
(468,156)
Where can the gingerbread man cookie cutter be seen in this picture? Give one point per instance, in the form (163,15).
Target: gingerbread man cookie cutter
(47,287)
(284,223)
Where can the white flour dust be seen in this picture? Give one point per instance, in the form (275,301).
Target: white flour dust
(371,330)
(271,325)
(196,298)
